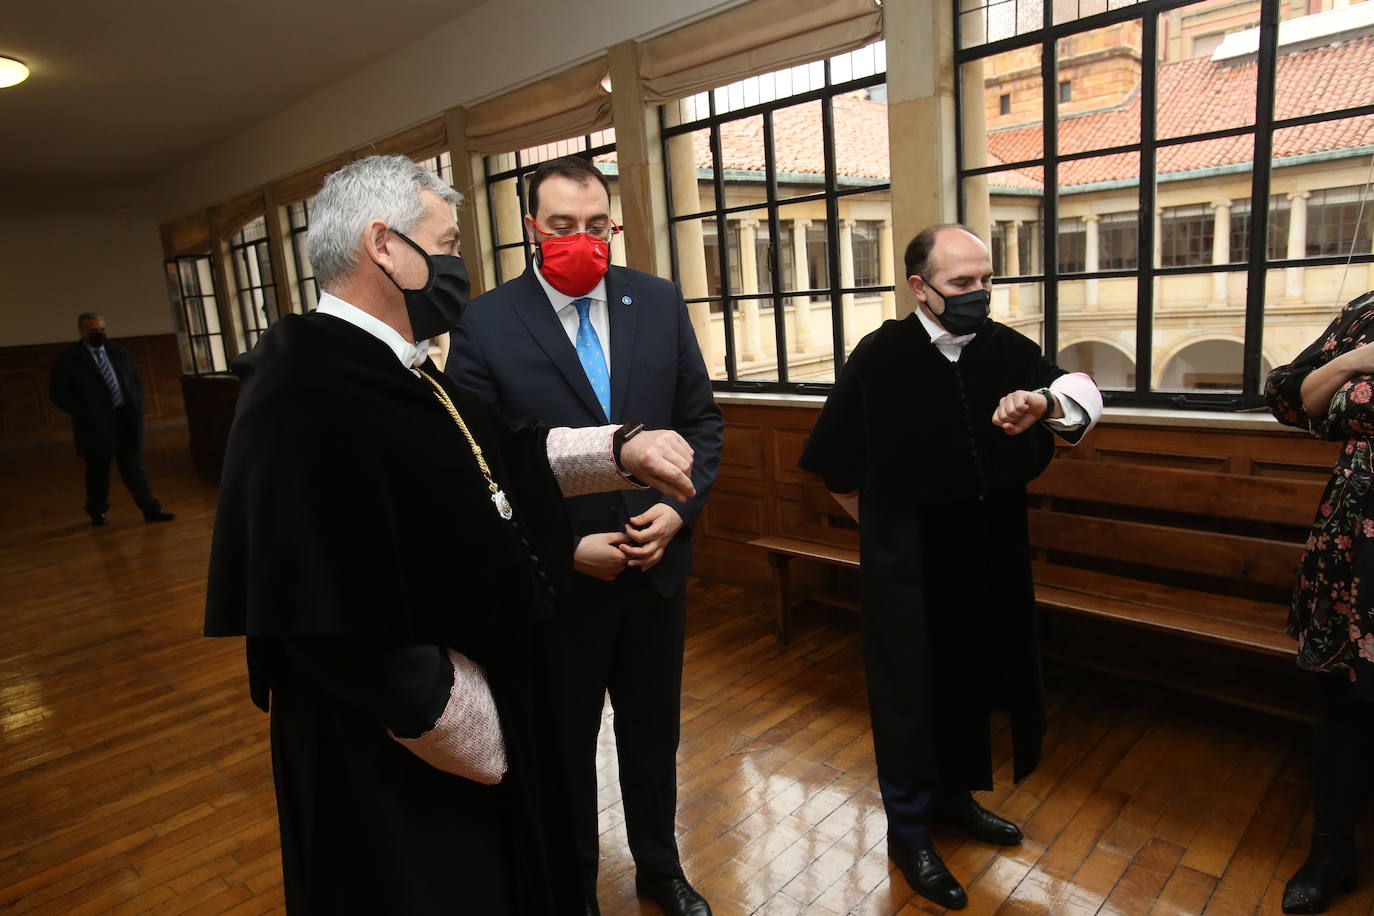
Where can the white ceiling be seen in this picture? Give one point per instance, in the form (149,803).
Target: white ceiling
(123,91)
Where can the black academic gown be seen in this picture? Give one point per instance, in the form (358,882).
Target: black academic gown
(948,602)
(355,539)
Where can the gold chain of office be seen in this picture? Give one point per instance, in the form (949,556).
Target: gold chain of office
(498,498)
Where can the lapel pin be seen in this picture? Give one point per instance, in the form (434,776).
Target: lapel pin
(626,300)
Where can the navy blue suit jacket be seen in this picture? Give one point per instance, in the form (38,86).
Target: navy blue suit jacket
(512,351)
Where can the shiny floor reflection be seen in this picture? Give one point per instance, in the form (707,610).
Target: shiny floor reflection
(134,774)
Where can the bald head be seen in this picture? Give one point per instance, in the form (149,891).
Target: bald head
(950,258)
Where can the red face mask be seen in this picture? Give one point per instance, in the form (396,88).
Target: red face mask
(573,264)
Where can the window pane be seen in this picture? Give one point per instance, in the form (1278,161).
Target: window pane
(1069,10)
(857,64)
(861,143)
(768,87)
(741,144)
(1321,56)
(1021,306)
(981,22)
(1193,179)
(1199,325)
(1016,204)
(1099,203)
(504,200)
(693,176)
(1099,88)
(1013,135)
(685,111)
(1109,361)
(1321,170)
(1196,90)
(799,147)
(1242,218)
(810,337)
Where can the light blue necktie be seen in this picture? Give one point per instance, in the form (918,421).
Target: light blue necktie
(102,363)
(592,356)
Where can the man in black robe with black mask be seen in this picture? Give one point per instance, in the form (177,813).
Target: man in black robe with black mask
(936,425)
(390,546)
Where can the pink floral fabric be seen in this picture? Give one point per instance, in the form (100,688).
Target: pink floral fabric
(583,460)
(466,741)
(1332,615)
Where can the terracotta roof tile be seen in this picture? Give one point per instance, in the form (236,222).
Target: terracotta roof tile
(1200,95)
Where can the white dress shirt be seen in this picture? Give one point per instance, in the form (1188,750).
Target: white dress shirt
(599,313)
(411,355)
(951,348)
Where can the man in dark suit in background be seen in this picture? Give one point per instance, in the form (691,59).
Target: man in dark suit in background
(97,383)
(575,342)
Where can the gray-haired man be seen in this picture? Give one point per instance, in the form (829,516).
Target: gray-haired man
(390,548)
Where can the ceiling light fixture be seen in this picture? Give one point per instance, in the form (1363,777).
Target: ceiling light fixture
(12,72)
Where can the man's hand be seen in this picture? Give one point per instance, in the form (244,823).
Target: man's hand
(599,556)
(1019,411)
(649,535)
(663,460)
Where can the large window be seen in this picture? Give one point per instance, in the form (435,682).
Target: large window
(191,288)
(303,275)
(794,166)
(1163,264)
(254,283)
(507,181)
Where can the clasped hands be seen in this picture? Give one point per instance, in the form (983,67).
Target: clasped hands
(641,545)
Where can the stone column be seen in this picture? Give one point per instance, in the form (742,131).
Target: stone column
(1297,244)
(886,273)
(1221,248)
(801,273)
(1092,258)
(691,245)
(752,347)
(1013,265)
(920,114)
(847,279)
(1159,222)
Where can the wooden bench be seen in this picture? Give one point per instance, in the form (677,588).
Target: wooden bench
(1196,554)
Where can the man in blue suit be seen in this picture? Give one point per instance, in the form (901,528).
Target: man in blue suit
(576,342)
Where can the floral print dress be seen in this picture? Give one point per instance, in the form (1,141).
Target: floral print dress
(1332,616)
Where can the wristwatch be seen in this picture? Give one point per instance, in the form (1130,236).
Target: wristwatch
(1051,402)
(623,435)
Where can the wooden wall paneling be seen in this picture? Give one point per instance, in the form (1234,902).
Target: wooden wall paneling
(27,417)
(742,454)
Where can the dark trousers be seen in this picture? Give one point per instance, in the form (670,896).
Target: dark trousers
(625,639)
(130,462)
(1343,755)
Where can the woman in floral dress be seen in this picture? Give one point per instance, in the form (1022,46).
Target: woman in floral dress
(1329,390)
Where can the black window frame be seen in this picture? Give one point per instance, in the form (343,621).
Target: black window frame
(831,194)
(192,302)
(297,231)
(1046,37)
(253,322)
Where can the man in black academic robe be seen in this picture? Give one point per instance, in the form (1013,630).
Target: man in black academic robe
(391,546)
(936,424)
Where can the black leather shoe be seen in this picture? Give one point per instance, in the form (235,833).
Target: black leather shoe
(161,515)
(925,871)
(976,821)
(674,895)
(99,521)
(1328,871)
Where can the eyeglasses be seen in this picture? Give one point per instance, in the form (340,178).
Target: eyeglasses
(600,233)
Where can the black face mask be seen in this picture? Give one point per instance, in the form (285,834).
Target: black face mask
(964,313)
(96,339)
(436,307)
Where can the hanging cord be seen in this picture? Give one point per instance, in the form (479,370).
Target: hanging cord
(1359,224)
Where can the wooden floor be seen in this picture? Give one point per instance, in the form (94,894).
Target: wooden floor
(135,774)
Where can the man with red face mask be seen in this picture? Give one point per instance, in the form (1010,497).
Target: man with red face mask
(574,341)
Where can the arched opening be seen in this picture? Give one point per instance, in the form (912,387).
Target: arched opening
(1208,365)
(1109,366)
